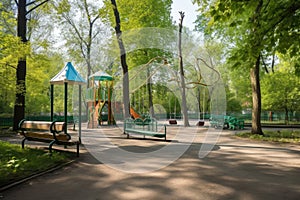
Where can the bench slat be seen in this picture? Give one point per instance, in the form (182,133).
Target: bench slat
(46,135)
(36,125)
(155,134)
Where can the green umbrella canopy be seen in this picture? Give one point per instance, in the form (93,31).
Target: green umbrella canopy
(68,74)
(101,76)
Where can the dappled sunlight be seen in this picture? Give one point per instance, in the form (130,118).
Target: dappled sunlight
(234,169)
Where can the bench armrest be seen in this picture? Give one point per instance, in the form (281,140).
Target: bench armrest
(58,127)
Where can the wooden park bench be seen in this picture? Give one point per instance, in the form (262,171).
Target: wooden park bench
(147,127)
(48,132)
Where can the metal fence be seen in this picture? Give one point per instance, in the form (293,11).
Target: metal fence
(266,117)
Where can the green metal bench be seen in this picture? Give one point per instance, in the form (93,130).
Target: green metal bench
(226,121)
(147,127)
(219,121)
(235,123)
(48,132)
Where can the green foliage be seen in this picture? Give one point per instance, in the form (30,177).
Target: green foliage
(233,104)
(281,89)
(82,31)
(17,163)
(138,14)
(274,136)
(253,27)
(12,49)
(41,68)
(42,64)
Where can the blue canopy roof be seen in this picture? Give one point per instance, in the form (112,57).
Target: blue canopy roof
(68,74)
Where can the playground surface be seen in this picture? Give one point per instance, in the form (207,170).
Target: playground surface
(234,169)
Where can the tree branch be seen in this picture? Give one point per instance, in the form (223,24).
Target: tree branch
(9,65)
(264,64)
(266,6)
(97,17)
(30,3)
(289,11)
(205,63)
(87,11)
(36,6)
(75,28)
(273,62)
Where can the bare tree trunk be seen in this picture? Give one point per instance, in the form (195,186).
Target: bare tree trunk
(183,106)
(256,99)
(149,87)
(126,99)
(19,107)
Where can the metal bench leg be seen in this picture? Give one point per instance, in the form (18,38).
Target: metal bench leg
(77,149)
(50,146)
(165,132)
(23,143)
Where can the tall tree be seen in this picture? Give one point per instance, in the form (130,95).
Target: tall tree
(254,30)
(19,107)
(81,28)
(126,99)
(182,78)
(136,15)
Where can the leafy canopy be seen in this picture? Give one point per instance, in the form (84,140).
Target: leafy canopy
(253,27)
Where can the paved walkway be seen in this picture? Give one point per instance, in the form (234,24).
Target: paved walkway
(234,169)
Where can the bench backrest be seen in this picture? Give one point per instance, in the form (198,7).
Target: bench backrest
(45,130)
(149,124)
(43,125)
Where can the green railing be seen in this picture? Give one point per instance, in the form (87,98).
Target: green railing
(266,118)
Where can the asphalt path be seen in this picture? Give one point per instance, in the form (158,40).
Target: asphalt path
(195,163)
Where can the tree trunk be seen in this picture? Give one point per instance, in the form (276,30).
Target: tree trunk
(126,99)
(149,87)
(286,118)
(256,99)
(19,107)
(183,106)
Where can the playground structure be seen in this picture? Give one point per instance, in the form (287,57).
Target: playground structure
(98,100)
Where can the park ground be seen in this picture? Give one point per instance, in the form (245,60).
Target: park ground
(234,169)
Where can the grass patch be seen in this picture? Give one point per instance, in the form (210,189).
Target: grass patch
(17,163)
(274,136)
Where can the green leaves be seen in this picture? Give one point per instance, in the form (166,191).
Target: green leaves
(144,13)
(281,90)
(63,7)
